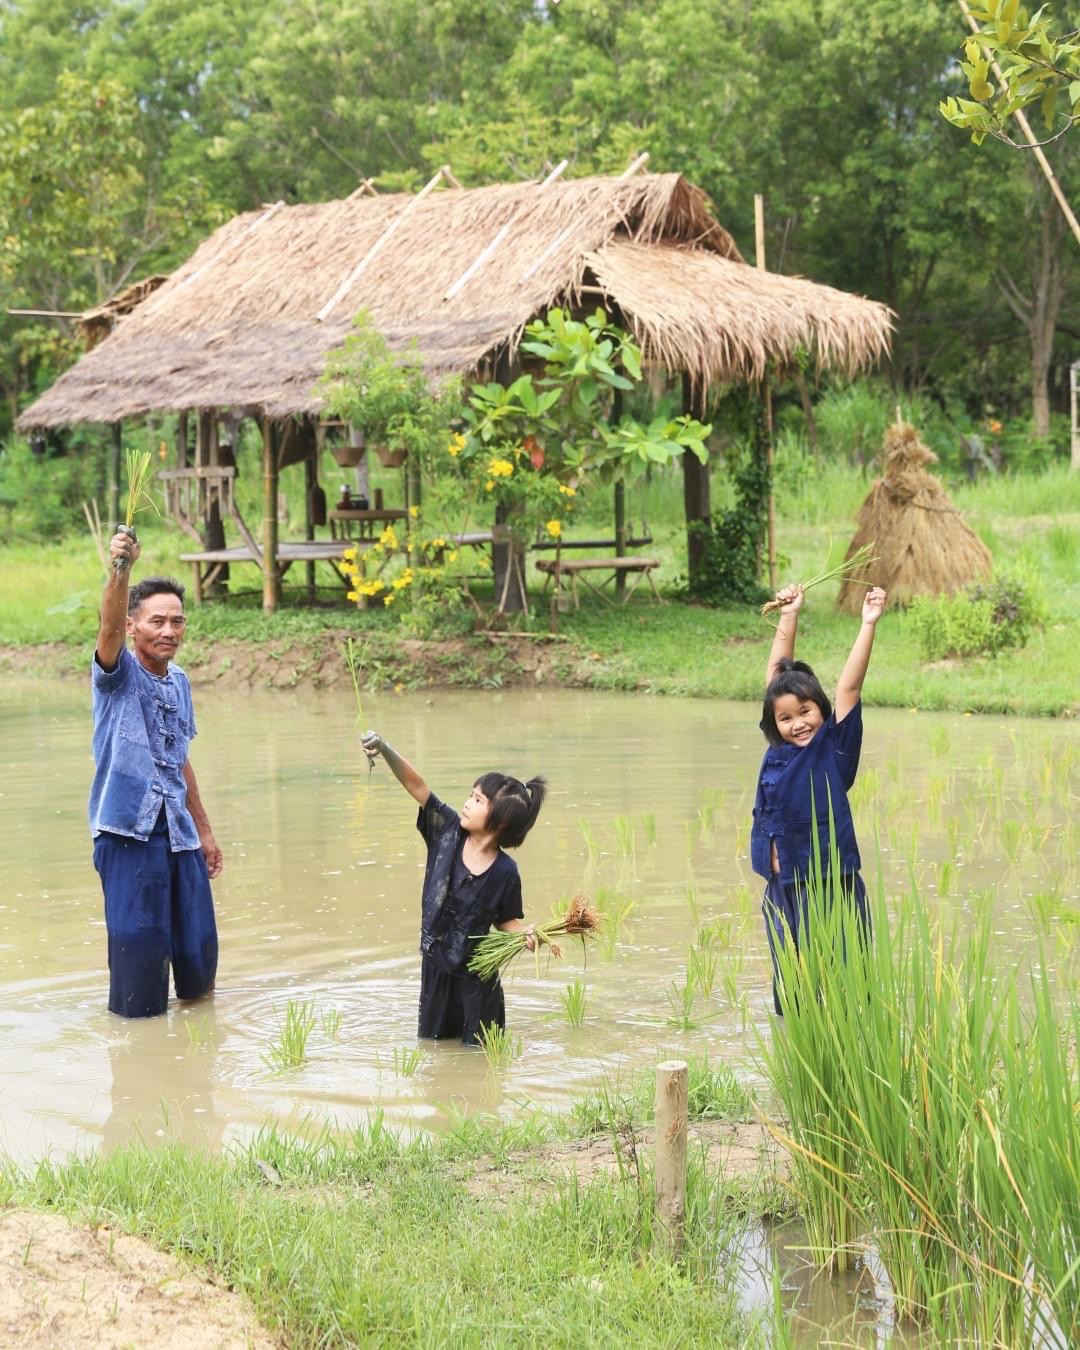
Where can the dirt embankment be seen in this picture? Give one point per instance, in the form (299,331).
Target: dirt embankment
(488,661)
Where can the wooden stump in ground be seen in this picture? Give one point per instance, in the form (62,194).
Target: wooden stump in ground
(672,1079)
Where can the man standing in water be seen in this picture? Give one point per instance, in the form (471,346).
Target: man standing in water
(153,846)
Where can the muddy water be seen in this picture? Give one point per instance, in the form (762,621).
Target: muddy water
(650,803)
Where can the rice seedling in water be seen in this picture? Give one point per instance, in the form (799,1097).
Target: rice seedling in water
(616,907)
(624,835)
(692,902)
(289,1051)
(940,742)
(648,824)
(330,1021)
(499,1047)
(407,1059)
(944,878)
(1013,835)
(703,963)
(573,1002)
(495,950)
(590,840)
(200,1033)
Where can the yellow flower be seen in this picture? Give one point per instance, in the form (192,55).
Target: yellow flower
(500,468)
(388,598)
(554,528)
(488,485)
(414,511)
(388,538)
(349,555)
(353,595)
(567,491)
(452,557)
(457,444)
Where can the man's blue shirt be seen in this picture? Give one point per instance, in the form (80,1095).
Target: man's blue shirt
(143,724)
(796,787)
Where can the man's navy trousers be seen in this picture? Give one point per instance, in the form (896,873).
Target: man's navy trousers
(158,910)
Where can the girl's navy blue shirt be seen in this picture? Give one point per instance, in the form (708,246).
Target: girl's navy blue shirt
(458,907)
(791,779)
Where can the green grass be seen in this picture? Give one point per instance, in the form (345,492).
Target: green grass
(371,1237)
(51,595)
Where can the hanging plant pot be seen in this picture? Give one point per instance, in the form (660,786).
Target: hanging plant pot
(348,456)
(391,459)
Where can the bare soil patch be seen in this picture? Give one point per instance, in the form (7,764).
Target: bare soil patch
(79,1288)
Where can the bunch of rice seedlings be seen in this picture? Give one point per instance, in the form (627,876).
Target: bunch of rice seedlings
(330,1021)
(407,1060)
(139,474)
(495,950)
(861,558)
(499,1047)
(289,1051)
(573,1002)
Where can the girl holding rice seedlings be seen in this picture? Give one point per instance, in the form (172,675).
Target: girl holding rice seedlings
(470,885)
(801,811)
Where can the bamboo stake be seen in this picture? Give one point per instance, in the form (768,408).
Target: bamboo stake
(500,235)
(378,245)
(672,1090)
(766,399)
(628,172)
(1029,136)
(227,248)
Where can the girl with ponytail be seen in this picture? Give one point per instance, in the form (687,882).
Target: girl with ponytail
(470,885)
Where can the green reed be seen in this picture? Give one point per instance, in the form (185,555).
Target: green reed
(407,1059)
(330,1021)
(499,1046)
(289,1051)
(572,999)
(702,966)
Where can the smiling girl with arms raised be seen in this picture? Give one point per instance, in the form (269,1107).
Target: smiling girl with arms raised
(470,885)
(807,771)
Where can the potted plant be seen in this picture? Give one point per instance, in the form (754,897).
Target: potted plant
(346,446)
(384,392)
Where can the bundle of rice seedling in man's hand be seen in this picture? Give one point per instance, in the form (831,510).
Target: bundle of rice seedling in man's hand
(497,949)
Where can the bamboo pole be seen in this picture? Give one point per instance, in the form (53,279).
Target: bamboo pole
(672,1089)
(1029,136)
(112,481)
(766,402)
(271,580)
(379,243)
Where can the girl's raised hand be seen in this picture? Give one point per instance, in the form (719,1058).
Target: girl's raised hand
(873,606)
(790,599)
(371,743)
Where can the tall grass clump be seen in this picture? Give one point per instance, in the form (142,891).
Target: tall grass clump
(932,1106)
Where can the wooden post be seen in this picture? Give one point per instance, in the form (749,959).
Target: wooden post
(181,440)
(697,502)
(620,536)
(271,580)
(1074,403)
(213,527)
(766,401)
(112,480)
(672,1086)
(309,521)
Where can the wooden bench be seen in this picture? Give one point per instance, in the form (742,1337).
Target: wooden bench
(644,567)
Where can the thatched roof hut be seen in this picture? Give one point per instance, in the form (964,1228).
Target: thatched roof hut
(248,320)
(922,545)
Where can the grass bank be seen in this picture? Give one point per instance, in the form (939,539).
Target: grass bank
(50,600)
(365,1237)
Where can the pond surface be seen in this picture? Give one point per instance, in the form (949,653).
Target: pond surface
(648,812)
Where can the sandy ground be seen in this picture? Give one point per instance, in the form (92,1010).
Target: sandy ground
(92,1289)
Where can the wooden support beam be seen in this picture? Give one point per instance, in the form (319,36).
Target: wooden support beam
(271,576)
(112,484)
(766,402)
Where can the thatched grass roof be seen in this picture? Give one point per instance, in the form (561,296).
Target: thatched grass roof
(237,324)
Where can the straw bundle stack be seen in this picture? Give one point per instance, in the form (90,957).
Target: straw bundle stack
(922,545)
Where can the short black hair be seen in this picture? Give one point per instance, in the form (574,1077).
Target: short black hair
(792,677)
(143,590)
(513,806)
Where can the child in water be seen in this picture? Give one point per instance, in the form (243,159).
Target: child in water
(809,767)
(470,884)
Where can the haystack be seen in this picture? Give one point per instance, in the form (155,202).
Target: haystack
(921,542)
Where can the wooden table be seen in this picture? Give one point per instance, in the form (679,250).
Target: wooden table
(364,522)
(571,569)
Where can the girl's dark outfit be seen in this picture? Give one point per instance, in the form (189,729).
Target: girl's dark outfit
(458,907)
(797,788)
